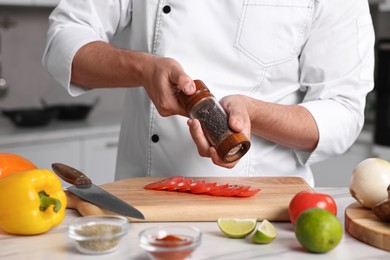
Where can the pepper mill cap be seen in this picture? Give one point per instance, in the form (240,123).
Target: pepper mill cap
(201,92)
(233,147)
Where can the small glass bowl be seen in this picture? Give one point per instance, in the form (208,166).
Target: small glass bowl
(170,242)
(99,234)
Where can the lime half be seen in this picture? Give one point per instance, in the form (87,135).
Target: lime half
(237,227)
(265,233)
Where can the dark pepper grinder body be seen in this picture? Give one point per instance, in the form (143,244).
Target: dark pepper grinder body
(202,105)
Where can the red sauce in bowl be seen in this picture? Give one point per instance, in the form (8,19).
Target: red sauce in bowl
(173,242)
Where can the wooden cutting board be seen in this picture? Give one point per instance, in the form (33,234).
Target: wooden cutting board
(363,225)
(164,206)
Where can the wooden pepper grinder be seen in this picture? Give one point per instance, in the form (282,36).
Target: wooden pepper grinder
(202,105)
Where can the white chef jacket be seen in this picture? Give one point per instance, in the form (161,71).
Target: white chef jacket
(316,53)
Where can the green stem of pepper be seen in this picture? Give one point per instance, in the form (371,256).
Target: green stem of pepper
(47,201)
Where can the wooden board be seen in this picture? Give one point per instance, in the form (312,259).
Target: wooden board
(363,225)
(169,206)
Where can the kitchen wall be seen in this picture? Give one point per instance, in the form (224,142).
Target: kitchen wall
(23,37)
(22,42)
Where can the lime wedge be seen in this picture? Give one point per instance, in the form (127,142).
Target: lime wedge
(265,233)
(237,227)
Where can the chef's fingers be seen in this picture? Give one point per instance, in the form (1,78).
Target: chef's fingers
(180,81)
(199,138)
(163,78)
(239,120)
(183,82)
(239,123)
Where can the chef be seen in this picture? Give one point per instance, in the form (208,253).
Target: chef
(292,75)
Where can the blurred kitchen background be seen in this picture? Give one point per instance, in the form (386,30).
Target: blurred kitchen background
(90,143)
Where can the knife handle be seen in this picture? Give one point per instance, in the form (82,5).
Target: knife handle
(71,175)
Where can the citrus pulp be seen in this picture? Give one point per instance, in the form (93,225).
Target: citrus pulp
(237,227)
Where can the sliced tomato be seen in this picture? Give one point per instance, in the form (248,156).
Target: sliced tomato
(184,185)
(247,193)
(188,187)
(218,190)
(202,187)
(166,184)
(181,184)
(225,190)
(233,190)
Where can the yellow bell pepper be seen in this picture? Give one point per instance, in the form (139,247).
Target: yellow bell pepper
(31,202)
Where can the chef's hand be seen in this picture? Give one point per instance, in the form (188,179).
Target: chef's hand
(163,79)
(239,121)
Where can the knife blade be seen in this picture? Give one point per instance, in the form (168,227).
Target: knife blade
(85,189)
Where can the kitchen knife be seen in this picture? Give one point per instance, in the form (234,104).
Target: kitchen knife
(85,189)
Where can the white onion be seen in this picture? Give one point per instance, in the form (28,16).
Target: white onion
(369,181)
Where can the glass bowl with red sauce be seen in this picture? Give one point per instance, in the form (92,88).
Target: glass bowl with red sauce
(170,242)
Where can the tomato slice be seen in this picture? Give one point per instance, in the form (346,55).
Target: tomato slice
(184,185)
(202,187)
(247,193)
(230,190)
(218,190)
(233,190)
(166,184)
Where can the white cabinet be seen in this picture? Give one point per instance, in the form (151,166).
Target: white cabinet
(336,172)
(100,158)
(45,2)
(381,151)
(44,154)
(30,2)
(16,2)
(93,155)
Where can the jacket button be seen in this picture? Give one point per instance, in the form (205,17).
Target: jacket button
(166,9)
(155,138)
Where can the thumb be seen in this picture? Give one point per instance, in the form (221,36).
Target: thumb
(183,81)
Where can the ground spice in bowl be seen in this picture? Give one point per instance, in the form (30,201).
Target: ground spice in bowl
(98,235)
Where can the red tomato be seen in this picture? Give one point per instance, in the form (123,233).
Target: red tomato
(304,200)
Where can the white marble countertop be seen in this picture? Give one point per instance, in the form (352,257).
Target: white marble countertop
(55,244)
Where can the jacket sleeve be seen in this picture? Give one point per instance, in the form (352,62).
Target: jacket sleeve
(337,68)
(74,23)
